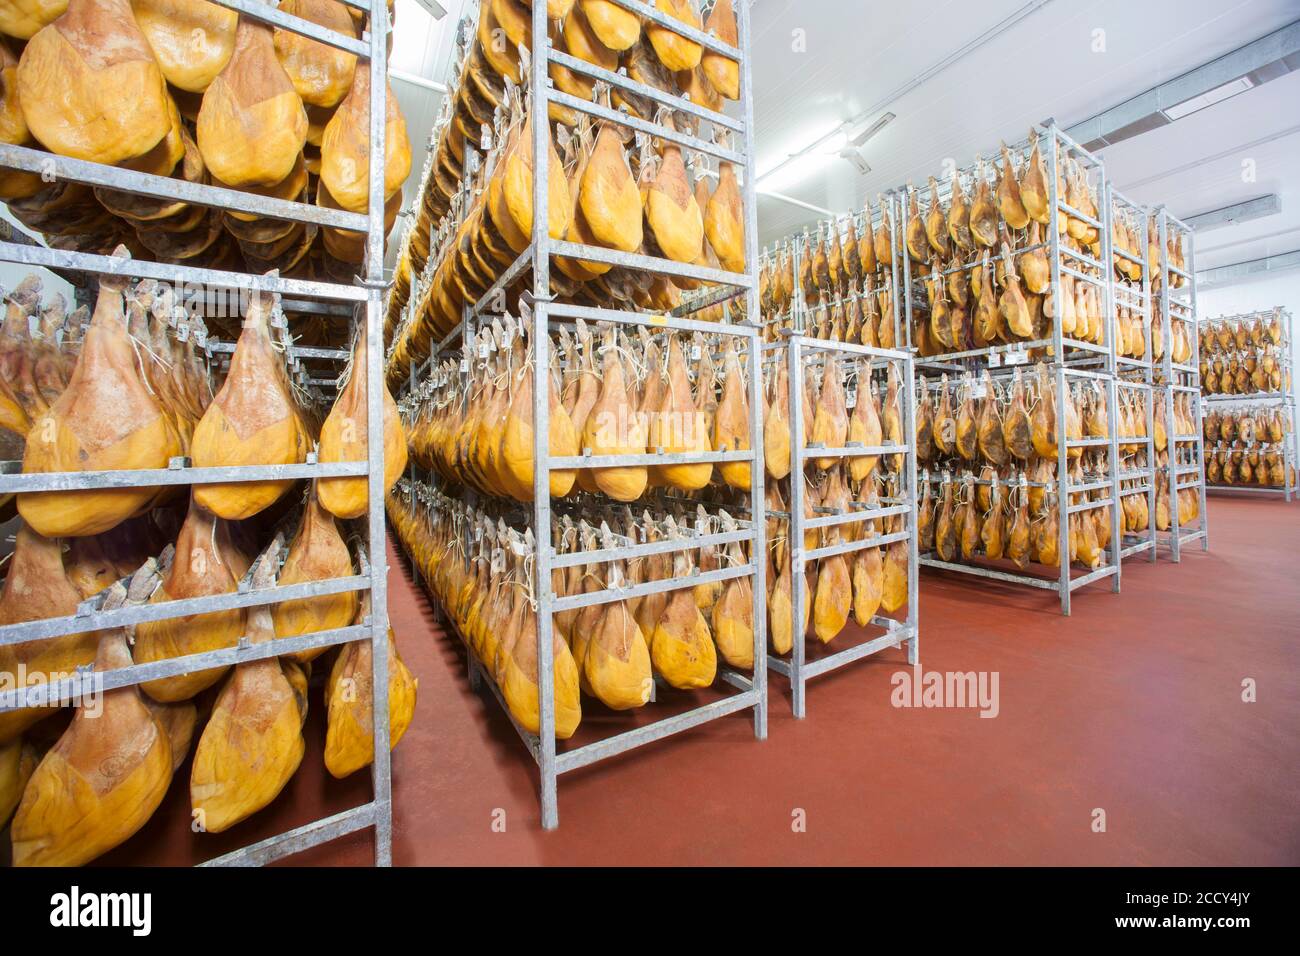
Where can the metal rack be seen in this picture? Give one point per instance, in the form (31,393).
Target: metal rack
(364,300)
(799,248)
(793,352)
(1177,379)
(1064,259)
(547,314)
(795,346)
(1073,359)
(1134,374)
(1284,399)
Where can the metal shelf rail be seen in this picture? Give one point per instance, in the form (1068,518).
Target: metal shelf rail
(365,301)
(1179,304)
(1283,399)
(1133,373)
(795,350)
(1074,359)
(547,313)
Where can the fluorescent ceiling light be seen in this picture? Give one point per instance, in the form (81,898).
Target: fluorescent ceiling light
(873,129)
(436,9)
(782,197)
(1217,95)
(801,163)
(796,170)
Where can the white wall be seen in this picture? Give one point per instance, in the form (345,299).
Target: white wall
(1257,294)
(11,273)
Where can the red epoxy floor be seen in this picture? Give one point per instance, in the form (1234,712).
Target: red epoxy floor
(1133,706)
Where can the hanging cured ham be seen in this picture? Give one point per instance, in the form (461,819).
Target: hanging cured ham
(106,419)
(776,426)
(612,429)
(36,587)
(321,74)
(345,437)
(517,439)
(191,39)
(609,198)
(252,125)
(104,777)
(724,221)
(833,597)
(679,426)
(253,420)
(681,647)
(733,613)
(253,742)
(723,72)
(518,665)
(675,51)
(90,86)
(350,699)
(317,553)
(670,208)
(206,562)
(614,26)
(731,421)
(345,146)
(616,659)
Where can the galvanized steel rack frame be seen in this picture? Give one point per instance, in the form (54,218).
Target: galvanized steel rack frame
(1063,260)
(1284,399)
(1178,379)
(792,351)
(799,247)
(1134,374)
(363,299)
(751,693)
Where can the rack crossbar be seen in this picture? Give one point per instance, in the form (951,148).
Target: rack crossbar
(666,727)
(61,481)
(181,190)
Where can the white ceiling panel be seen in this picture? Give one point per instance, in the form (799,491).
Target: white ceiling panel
(1050,62)
(1220,156)
(422,47)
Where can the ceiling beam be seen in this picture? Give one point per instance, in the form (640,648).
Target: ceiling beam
(1246,271)
(1214,158)
(1263,60)
(1257,208)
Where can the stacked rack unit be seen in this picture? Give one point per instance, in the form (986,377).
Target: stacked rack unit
(1282,401)
(1134,373)
(1072,361)
(364,300)
(1174,287)
(807,311)
(543,317)
(802,330)
(800,352)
